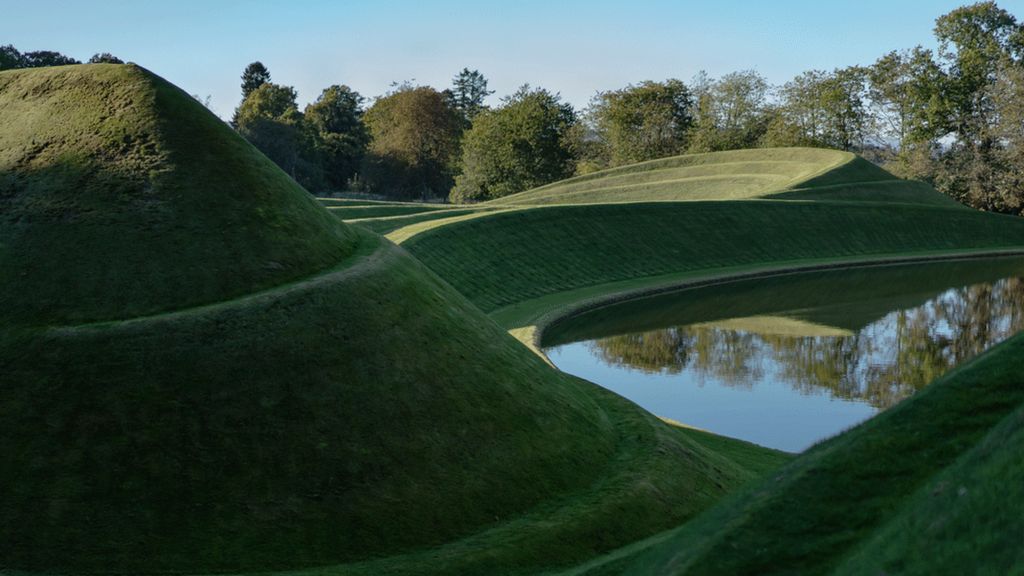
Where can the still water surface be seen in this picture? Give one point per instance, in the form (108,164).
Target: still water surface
(788,361)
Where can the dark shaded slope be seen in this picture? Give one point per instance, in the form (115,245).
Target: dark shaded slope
(205,371)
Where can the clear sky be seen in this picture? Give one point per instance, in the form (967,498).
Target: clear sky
(574,47)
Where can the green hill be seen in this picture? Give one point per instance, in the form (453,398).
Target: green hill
(779,173)
(928,487)
(110,209)
(523,255)
(529,258)
(205,371)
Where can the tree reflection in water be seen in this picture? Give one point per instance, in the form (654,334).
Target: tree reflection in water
(880,364)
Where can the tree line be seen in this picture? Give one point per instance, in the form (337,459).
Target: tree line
(953,117)
(11,58)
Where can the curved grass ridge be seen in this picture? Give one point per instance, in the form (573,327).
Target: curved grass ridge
(198,405)
(527,254)
(109,208)
(268,478)
(732,175)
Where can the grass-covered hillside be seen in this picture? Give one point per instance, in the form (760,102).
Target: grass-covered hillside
(110,209)
(204,371)
(778,174)
(533,254)
(928,487)
(932,486)
(782,173)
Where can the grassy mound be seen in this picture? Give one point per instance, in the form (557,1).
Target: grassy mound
(232,379)
(930,486)
(109,208)
(732,175)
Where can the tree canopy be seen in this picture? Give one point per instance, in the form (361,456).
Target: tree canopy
(522,144)
(269,118)
(11,58)
(414,143)
(467,94)
(105,58)
(341,137)
(731,111)
(254,76)
(644,121)
(951,117)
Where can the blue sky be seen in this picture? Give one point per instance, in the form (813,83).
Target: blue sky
(572,47)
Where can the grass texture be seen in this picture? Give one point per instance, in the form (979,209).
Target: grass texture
(205,371)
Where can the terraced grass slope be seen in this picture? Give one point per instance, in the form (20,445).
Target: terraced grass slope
(520,255)
(782,173)
(204,371)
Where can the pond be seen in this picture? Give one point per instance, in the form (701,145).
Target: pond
(790,360)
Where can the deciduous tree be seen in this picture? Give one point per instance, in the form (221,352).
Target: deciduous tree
(645,121)
(341,136)
(732,112)
(522,144)
(41,58)
(105,58)
(414,143)
(270,120)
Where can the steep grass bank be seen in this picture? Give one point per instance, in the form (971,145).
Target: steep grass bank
(510,257)
(204,371)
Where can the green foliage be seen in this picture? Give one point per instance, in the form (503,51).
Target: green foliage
(270,120)
(905,88)
(731,111)
(822,109)
(467,94)
(974,40)
(523,144)
(341,137)
(43,58)
(414,144)
(268,101)
(254,76)
(11,58)
(212,374)
(105,58)
(643,122)
(980,46)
